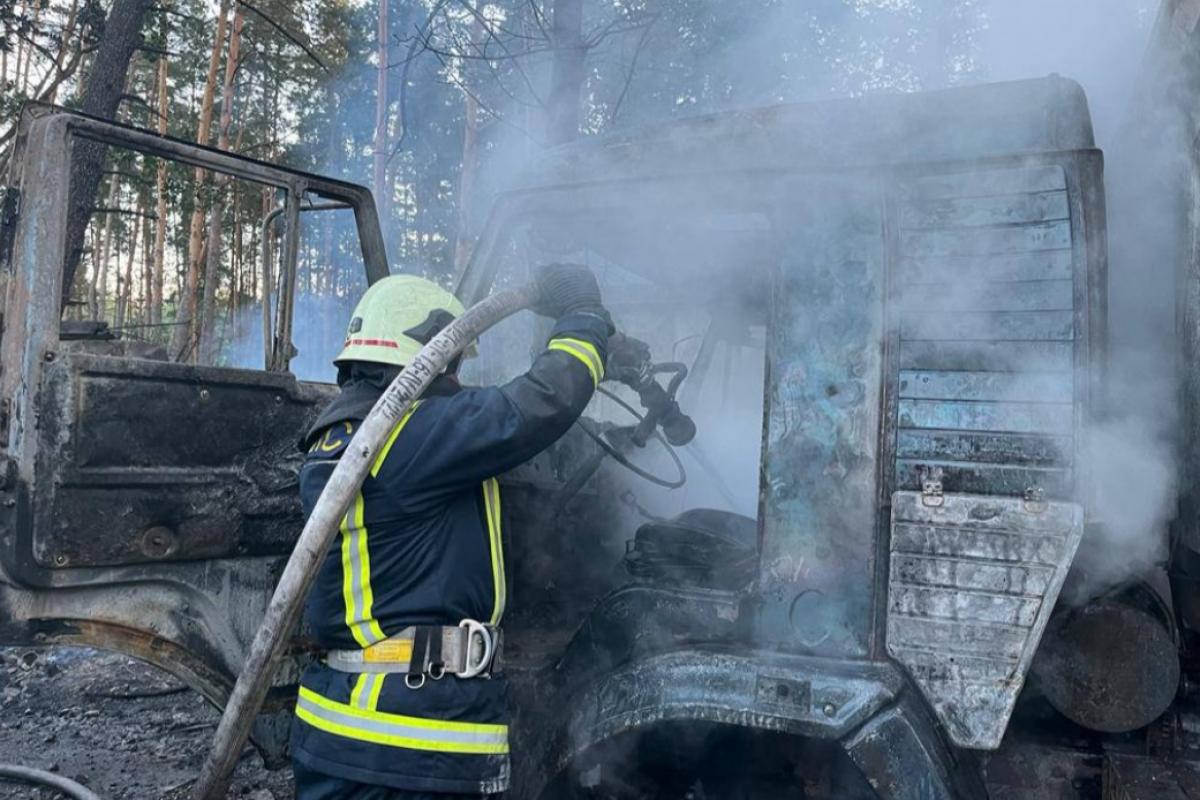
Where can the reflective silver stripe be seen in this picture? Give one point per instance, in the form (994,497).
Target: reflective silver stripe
(366,691)
(584,351)
(400,731)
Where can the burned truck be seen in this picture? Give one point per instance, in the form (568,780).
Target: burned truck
(885,318)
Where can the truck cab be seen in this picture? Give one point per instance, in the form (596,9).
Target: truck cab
(892,314)
(884,316)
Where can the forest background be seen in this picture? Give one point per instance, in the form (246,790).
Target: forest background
(437,105)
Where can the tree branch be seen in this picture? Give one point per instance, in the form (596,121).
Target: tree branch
(614,28)
(637,54)
(541,21)
(486,26)
(129,212)
(484,106)
(403,98)
(138,101)
(156,51)
(428,45)
(174,12)
(285,33)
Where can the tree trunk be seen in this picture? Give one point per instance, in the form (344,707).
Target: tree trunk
(24,9)
(567,72)
(101,97)
(147,260)
(237,288)
(37,18)
(8,37)
(212,277)
(112,244)
(464,237)
(256,246)
(65,45)
(84,291)
(125,283)
(381,189)
(154,297)
(100,263)
(184,336)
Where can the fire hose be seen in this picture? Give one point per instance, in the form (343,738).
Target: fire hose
(283,612)
(57,782)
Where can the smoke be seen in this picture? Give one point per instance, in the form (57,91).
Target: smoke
(1134,475)
(1131,449)
(317,335)
(724,56)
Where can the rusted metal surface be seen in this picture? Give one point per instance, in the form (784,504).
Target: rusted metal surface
(890,746)
(973,583)
(121,483)
(183,620)
(821,434)
(1112,665)
(965,124)
(142,500)
(796,695)
(972,249)
(45,134)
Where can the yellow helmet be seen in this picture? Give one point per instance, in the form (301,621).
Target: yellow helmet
(395,318)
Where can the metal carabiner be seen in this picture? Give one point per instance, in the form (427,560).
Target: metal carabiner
(473,669)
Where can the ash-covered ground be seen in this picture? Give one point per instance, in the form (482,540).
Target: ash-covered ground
(124,729)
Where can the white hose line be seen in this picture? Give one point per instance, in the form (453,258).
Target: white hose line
(283,613)
(57,782)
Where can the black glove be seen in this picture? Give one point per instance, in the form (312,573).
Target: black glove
(567,289)
(628,360)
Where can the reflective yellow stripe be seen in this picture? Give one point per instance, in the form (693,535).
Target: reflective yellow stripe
(585,352)
(373,694)
(366,690)
(491,505)
(396,730)
(391,440)
(356,578)
(360,687)
(324,444)
(330,445)
(357,593)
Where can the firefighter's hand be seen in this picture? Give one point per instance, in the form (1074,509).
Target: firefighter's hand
(567,289)
(628,359)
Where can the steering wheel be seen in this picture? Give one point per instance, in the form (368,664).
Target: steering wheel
(617,441)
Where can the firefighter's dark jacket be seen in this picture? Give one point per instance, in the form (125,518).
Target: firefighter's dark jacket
(422,545)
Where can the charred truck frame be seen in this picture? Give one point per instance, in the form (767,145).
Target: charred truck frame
(924,280)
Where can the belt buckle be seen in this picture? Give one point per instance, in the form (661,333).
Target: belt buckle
(477,630)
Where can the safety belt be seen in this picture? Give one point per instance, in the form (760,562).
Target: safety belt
(466,650)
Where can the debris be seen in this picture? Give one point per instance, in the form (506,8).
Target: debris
(117,725)
(127,692)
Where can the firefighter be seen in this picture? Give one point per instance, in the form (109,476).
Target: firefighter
(408,701)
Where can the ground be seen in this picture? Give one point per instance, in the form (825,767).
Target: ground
(126,730)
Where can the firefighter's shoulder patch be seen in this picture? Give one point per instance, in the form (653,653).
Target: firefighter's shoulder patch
(333,441)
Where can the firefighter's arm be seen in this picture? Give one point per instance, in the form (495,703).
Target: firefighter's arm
(481,432)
